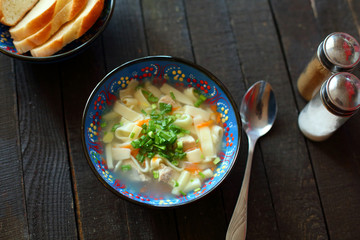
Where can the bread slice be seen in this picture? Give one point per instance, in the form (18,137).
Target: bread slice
(72,30)
(66,14)
(12,11)
(39,16)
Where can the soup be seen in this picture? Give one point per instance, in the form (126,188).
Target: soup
(161,140)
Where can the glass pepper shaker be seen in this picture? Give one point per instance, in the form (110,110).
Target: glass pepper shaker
(337,100)
(339,52)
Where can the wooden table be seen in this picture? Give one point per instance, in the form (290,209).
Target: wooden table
(299,189)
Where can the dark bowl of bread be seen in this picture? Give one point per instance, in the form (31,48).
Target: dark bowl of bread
(51,30)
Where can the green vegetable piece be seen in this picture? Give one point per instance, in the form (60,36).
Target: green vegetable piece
(140,157)
(179,145)
(182,193)
(165,108)
(172,96)
(216,160)
(132,135)
(156,174)
(150,97)
(197,189)
(201,175)
(117,125)
(126,168)
(143,111)
(103,124)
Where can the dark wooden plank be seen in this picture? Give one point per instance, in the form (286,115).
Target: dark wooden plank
(100,213)
(166,28)
(13,220)
(103,214)
(214,48)
(288,168)
(337,174)
(166,31)
(129,41)
(335,16)
(49,197)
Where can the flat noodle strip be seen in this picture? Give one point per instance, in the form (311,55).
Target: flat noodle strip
(180,97)
(127,112)
(143,170)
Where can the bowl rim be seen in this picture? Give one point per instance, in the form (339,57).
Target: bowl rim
(67,53)
(174,59)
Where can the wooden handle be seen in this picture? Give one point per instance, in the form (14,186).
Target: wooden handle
(238,223)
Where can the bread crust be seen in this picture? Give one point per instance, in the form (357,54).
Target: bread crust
(7,22)
(71,31)
(66,14)
(19,33)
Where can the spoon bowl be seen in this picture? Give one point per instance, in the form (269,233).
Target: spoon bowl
(258,112)
(258,109)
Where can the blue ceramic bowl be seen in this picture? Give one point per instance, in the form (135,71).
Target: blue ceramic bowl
(7,46)
(179,73)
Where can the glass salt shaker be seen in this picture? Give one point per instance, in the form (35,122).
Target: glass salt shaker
(339,52)
(337,100)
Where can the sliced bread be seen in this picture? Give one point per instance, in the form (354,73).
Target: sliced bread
(39,16)
(66,14)
(71,30)
(12,11)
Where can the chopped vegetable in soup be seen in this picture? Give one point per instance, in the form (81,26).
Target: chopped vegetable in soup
(162,139)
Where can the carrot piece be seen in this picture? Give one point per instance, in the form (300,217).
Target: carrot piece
(173,109)
(135,152)
(205,124)
(193,168)
(141,122)
(213,107)
(127,146)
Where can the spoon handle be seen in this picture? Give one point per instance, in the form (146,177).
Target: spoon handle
(238,223)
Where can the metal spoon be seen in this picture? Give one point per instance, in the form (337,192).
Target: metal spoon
(258,111)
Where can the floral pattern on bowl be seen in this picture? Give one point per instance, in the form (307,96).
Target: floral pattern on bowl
(176,72)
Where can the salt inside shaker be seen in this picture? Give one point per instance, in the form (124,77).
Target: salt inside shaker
(337,100)
(339,52)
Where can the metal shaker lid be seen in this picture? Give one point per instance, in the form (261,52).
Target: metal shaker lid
(339,52)
(341,94)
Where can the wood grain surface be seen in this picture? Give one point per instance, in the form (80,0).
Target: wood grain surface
(299,189)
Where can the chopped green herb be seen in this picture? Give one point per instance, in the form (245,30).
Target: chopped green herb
(113,129)
(132,135)
(179,145)
(153,106)
(140,157)
(151,134)
(175,163)
(165,108)
(182,193)
(150,97)
(138,87)
(197,141)
(156,174)
(197,189)
(126,168)
(201,175)
(143,111)
(176,184)
(201,99)
(216,160)
(160,147)
(172,96)
(103,124)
